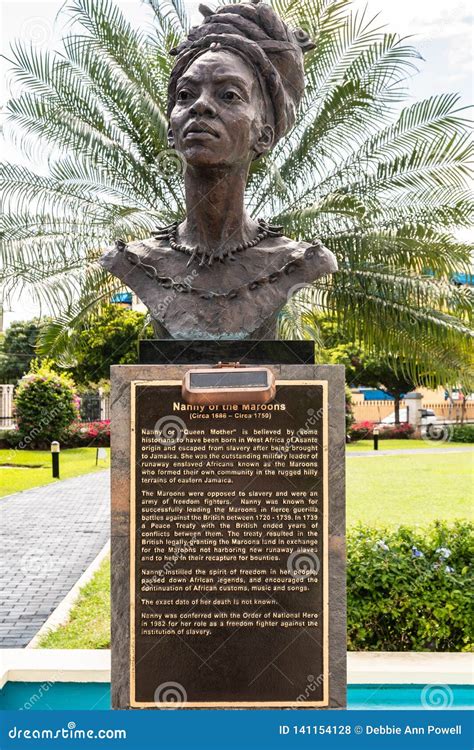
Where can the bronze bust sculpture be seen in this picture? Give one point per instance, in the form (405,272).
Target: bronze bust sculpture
(233,92)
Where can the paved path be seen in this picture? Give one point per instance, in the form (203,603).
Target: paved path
(408,451)
(48,537)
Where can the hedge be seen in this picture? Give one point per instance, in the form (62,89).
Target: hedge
(365,431)
(463,433)
(410,590)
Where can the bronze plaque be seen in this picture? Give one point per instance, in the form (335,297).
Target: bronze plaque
(229,547)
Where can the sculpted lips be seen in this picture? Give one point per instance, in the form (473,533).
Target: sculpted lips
(200,128)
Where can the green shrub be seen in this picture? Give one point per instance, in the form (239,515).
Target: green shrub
(463,433)
(410,590)
(10,439)
(45,406)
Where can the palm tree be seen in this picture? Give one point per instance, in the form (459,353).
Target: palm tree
(384,187)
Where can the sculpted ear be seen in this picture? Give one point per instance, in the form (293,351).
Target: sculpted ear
(265,140)
(170,138)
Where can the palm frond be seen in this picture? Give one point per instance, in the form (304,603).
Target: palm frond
(425,321)
(386,189)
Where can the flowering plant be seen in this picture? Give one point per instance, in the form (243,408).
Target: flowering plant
(89,433)
(365,431)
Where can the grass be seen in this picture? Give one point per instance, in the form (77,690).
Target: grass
(410,490)
(395,445)
(88,625)
(76,461)
(381,491)
(72,463)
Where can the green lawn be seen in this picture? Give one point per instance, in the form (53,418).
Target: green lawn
(72,462)
(89,620)
(392,445)
(410,490)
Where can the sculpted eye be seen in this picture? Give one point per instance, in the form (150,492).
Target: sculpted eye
(183,95)
(230,96)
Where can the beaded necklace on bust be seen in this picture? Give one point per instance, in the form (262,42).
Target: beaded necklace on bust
(183,286)
(171,234)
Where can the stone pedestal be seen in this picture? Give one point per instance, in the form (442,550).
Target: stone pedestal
(242,603)
(413,403)
(248,351)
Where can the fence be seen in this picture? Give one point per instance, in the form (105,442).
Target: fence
(6,407)
(375,411)
(104,407)
(94,406)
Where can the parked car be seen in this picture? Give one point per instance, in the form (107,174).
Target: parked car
(428,417)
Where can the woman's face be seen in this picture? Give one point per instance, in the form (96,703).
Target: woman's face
(217,119)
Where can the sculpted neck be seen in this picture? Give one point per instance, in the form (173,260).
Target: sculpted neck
(215,211)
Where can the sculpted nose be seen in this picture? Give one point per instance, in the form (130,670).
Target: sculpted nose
(203,106)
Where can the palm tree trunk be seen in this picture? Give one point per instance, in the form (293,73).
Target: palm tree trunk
(397,410)
(463,408)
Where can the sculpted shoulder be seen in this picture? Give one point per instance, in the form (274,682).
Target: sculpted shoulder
(316,255)
(113,255)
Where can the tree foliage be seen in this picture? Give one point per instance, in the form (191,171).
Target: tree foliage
(393,380)
(45,406)
(111,338)
(383,184)
(17,349)
(394,377)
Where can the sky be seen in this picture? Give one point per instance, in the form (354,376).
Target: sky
(441,30)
